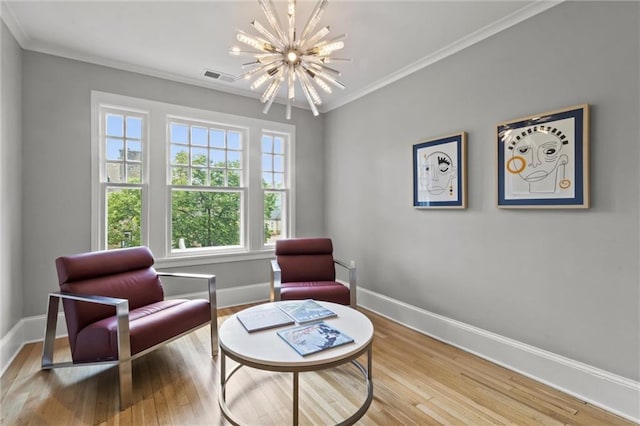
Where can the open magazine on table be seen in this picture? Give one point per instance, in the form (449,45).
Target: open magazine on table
(305,310)
(262,318)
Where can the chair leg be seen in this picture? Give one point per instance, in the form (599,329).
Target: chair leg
(50,333)
(124,355)
(213,306)
(126,384)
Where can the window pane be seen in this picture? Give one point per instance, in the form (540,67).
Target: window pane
(134,127)
(124,212)
(267,180)
(233,140)
(115,125)
(134,151)
(272,216)
(278,180)
(278,145)
(216,138)
(205,219)
(179,154)
(198,176)
(115,172)
(278,163)
(199,136)
(267,162)
(234,159)
(267,143)
(179,133)
(233,179)
(217,178)
(179,176)
(217,158)
(134,173)
(115,149)
(199,156)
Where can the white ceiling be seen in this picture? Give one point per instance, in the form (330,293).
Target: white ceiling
(180,39)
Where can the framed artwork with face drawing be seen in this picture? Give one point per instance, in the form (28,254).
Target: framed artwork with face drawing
(543,160)
(440,172)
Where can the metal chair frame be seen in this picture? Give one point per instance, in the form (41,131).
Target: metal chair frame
(122,330)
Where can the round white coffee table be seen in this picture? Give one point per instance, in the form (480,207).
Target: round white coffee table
(265,350)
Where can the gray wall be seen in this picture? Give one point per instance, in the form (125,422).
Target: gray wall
(10,177)
(565,281)
(57,161)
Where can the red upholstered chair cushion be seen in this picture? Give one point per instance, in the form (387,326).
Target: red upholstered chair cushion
(148,326)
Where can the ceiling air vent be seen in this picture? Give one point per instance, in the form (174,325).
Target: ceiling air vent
(216,75)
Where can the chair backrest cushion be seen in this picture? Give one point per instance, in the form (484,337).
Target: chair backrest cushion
(306,259)
(122,273)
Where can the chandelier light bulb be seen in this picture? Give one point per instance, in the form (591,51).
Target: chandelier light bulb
(281,57)
(292,57)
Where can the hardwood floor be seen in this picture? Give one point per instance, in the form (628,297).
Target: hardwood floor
(417,381)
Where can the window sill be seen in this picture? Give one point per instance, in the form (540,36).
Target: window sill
(208,259)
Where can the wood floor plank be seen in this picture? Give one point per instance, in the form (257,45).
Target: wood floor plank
(417,381)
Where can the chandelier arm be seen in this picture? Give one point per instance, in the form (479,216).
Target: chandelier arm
(272,89)
(322,84)
(272,95)
(326,49)
(319,78)
(322,67)
(330,79)
(256,42)
(291,14)
(307,95)
(323,32)
(267,8)
(262,30)
(269,75)
(256,70)
(292,88)
(237,52)
(327,59)
(310,92)
(318,46)
(314,18)
(269,59)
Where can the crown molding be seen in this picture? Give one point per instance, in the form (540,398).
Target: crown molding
(477,36)
(9,18)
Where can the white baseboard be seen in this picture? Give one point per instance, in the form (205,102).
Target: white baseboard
(606,390)
(601,388)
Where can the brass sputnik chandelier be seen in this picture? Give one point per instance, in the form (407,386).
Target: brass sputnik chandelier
(282,58)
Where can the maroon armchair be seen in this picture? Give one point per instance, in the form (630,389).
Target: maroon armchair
(115,311)
(304,268)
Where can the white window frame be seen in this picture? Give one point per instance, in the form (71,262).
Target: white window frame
(286,192)
(156,230)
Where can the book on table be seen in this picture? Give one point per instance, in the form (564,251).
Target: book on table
(312,338)
(262,318)
(306,310)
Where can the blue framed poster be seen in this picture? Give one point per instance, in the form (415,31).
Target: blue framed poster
(543,160)
(440,172)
